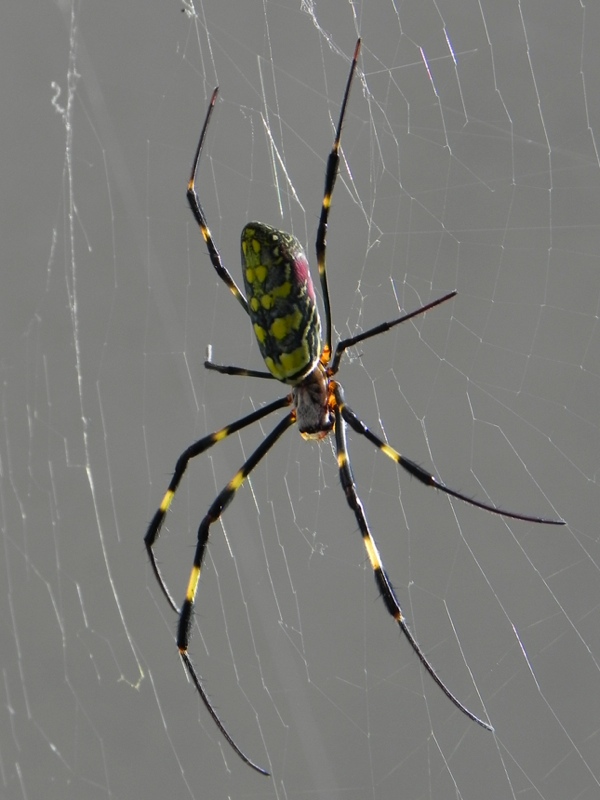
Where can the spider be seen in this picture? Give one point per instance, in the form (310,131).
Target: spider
(280,301)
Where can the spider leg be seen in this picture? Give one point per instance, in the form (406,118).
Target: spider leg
(219,505)
(344,344)
(194,201)
(331,173)
(215,717)
(228,370)
(192,451)
(386,589)
(427,478)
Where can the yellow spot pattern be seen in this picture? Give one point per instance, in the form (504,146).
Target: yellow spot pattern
(288,363)
(283,290)
(283,326)
(281,302)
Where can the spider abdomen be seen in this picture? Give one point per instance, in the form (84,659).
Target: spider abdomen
(281,301)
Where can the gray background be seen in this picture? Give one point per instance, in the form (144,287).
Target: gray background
(490,186)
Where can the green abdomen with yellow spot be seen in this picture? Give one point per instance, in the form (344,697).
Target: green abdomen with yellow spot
(281,301)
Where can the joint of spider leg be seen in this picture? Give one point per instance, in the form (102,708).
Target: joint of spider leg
(388,594)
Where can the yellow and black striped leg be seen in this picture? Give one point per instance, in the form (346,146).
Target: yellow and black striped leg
(194,201)
(331,173)
(182,462)
(219,505)
(187,610)
(427,478)
(381,578)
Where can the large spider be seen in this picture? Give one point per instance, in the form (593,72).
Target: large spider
(280,301)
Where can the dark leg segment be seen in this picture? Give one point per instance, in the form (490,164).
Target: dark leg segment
(383,327)
(226,369)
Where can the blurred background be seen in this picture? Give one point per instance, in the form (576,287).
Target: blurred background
(470,162)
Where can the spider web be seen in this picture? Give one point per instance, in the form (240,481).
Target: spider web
(470,162)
